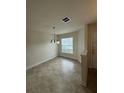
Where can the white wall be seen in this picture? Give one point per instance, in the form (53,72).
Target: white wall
(79,43)
(82,42)
(39,49)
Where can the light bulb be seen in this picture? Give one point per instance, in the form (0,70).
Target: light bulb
(57,42)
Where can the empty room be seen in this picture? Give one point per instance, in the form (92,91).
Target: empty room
(61,46)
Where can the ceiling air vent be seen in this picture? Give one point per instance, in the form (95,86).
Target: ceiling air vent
(66,19)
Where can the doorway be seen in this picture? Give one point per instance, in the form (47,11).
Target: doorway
(92,57)
(92,45)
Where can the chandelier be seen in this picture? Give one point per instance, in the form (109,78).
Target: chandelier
(54,39)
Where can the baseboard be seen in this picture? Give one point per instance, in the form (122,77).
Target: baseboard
(69,58)
(27,68)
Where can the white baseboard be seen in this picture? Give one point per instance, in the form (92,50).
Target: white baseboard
(40,63)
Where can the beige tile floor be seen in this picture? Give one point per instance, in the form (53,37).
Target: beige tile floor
(59,75)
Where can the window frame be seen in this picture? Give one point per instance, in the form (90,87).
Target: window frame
(68,45)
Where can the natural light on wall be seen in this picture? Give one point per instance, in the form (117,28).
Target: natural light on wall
(67,45)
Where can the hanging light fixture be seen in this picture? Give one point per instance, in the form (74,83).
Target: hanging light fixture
(54,37)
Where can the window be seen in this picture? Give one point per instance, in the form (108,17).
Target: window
(67,45)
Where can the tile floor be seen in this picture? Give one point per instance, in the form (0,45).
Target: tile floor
(59,75)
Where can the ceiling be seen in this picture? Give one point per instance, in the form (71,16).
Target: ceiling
(42,15)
